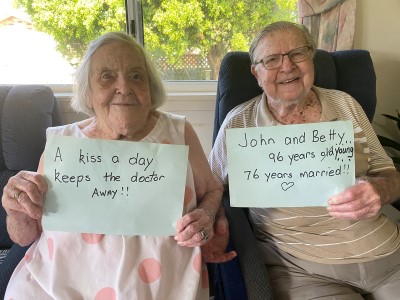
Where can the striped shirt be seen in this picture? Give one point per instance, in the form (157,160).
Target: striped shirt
(310,232)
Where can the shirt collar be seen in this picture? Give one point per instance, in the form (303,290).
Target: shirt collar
(265,118)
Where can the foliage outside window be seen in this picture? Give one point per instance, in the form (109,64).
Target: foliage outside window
(186,38)
(177,30)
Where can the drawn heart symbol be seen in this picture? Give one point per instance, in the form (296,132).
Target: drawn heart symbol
(286,185)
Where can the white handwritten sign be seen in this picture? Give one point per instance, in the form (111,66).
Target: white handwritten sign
(291,165)
(113,187)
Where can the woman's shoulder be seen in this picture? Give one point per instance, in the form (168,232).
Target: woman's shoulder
(169,126)
(171,120)
(71,129)
(163,115)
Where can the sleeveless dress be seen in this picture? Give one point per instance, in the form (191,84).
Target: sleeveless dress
(61,265)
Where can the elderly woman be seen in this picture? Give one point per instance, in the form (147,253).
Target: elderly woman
(348,250)
(119,87)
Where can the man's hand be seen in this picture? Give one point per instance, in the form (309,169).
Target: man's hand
(357,202)
(366,198)
(214,250)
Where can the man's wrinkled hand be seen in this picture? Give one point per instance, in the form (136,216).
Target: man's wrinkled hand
(214,250)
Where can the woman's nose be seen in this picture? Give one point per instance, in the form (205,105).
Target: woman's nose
(123,86)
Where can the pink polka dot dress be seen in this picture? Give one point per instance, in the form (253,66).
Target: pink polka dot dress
(64,265)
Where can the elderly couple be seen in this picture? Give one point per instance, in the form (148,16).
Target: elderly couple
(348,250)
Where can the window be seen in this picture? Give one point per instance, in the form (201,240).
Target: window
(45,39)
(186,38)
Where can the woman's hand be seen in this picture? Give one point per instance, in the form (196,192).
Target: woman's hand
(23,199)
(195,228)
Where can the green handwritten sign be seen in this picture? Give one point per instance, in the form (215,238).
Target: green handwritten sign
(291,165)
(113,187)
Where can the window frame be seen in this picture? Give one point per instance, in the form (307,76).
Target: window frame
(176,89)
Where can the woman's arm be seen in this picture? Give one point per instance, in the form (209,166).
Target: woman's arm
(209,211)
(208,194)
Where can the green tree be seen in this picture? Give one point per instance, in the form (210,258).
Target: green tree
(173,28)
(74,23)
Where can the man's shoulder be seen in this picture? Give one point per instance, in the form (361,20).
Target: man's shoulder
(333,95)
(243,111)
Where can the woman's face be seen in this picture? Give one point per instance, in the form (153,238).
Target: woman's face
(119,89)
(290,82)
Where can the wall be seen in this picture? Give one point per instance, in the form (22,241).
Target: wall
(377,30)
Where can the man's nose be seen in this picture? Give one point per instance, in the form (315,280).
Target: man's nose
(287,62)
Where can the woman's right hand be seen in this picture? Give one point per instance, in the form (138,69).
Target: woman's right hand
(23,199)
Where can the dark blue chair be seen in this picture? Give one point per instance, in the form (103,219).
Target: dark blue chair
(25,113)
(351,71)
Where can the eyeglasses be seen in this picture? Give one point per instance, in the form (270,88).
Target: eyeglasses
(275,60)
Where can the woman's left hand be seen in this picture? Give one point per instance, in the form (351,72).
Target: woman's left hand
(194,228)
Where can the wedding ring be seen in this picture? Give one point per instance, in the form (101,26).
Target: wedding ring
(203,234)
(16,195)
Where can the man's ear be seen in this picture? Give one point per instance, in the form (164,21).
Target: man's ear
(254,71)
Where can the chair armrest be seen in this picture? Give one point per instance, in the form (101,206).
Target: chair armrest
(251,264)
(14,256)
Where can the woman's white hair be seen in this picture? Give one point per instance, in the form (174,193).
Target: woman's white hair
(81,101)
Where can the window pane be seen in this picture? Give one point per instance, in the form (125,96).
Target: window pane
(44,40)
(188,38)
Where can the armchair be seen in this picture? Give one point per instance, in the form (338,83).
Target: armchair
(25,113)
(351,71)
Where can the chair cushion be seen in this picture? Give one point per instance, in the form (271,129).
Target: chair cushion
(27,112)
(357,77)
(11,260)
(324,70)
(3,254)
(4,90)
(234,85)
(5,241)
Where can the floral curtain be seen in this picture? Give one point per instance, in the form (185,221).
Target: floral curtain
(331,22)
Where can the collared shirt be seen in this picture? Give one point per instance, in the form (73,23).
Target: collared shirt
(310,232)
